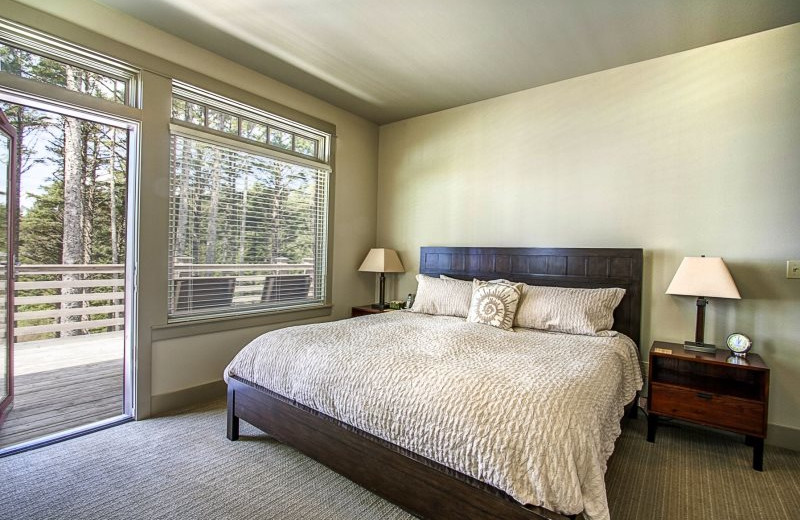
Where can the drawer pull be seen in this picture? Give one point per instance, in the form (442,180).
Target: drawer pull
(703,395)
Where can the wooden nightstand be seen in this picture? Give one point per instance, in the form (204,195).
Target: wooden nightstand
(363,310)
(717,390)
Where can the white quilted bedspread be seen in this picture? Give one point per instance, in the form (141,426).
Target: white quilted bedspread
(532,413)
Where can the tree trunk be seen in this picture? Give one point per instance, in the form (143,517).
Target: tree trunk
(90,163)
(213,209)
(112,200)
(20,128)
(184,166)
(243,228)
(72,248)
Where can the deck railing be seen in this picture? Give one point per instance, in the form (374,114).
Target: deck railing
(249,277)
(96,300)
(41,308)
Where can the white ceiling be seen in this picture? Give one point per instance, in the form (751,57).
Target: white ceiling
(388,60)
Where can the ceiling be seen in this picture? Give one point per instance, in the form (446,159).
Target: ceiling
(388,60)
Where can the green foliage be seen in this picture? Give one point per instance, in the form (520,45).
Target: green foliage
(40,233)
(103,165)
(263,212)
(46,70)
(41,226)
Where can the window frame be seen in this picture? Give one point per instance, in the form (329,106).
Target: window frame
(48,46)
(49,97)
(156,73)
(209,100)
(216,137)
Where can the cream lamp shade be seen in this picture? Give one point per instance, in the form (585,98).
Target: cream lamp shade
(702,276)
(381,260)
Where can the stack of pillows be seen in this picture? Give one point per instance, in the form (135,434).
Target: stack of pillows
(505,304)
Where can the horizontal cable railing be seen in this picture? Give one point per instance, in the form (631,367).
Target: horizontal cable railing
(67,300)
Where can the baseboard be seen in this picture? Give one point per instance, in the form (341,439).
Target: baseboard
(163,403)
(783,437)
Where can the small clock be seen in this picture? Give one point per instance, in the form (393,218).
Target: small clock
(739,344)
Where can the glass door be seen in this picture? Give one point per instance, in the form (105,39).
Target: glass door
(70,286)
(7,163)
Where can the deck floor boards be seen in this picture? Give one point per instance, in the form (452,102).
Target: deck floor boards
(64,392)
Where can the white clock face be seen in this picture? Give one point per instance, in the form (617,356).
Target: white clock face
(739,343)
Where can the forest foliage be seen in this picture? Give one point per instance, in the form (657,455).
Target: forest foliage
(227,206)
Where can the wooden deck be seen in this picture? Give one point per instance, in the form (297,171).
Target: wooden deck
(62,384)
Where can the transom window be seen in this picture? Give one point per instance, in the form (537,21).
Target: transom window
(37,56)
(203,109)
(248,223)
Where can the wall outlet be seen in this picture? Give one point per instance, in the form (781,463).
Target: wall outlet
(793,269)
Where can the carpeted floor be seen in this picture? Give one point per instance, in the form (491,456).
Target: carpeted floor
(182,467)
(690,473)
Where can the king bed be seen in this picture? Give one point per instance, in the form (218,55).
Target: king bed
(454,419)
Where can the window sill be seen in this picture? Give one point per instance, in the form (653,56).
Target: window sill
(182,329)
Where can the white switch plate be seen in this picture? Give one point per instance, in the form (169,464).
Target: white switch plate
(793,269)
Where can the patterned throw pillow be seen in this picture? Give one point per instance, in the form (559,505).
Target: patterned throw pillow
(494,304)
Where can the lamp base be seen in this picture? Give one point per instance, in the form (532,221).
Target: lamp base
(694,346)
(378,306)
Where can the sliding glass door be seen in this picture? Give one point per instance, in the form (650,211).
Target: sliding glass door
(70,245)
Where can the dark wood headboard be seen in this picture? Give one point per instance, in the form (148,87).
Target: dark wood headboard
(564,267)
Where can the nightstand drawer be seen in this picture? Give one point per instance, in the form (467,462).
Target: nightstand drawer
(741,415)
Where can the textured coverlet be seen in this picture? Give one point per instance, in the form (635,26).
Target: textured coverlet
(532,413)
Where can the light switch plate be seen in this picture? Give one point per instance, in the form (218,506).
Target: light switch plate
(793,269)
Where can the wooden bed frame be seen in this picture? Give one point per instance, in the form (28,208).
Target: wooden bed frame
(419,485)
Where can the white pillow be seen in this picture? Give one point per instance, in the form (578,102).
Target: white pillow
(494,303)
(445,297)
(566,309)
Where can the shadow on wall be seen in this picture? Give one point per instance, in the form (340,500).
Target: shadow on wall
(760,284)
(648,256)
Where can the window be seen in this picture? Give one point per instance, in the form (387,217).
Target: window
(210,112)
(30,54)
(248,224)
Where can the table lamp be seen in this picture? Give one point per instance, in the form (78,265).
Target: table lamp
(380,260)
(702,277)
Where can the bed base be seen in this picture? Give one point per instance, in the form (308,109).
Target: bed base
(421,486)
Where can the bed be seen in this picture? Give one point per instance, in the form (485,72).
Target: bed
(421,479)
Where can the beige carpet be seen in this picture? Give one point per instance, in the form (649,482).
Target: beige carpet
(691,473)
(182,467)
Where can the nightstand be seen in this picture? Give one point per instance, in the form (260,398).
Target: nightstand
(363,310)
(717,390)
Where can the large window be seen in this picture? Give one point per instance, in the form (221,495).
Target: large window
(248,223)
